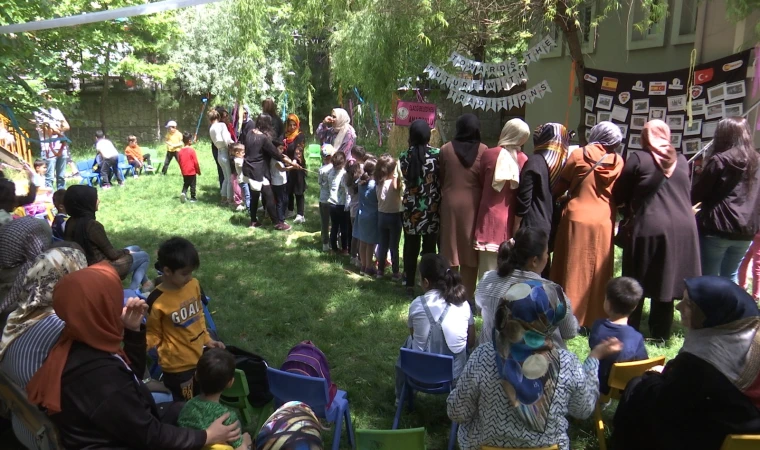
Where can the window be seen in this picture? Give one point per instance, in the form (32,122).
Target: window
(653,35)
(586,16)
(684,22)
(556,34)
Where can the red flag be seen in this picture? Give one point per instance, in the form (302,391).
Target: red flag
(703,76)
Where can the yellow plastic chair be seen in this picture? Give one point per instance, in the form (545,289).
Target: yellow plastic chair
(553,447)
(218,447)
(741,442)
(409,439)
(620,375)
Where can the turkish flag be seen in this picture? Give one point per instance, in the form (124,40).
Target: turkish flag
(703,76)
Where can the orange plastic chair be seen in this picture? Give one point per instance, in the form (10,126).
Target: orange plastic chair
(741,442)
(620,375)
(553,447)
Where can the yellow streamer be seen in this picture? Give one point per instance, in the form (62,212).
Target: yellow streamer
(311,105)
(692,64)
(340,95)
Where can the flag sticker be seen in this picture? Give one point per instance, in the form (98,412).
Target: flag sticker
(609,84)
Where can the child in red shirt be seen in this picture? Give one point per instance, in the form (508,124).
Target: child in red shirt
(188,165)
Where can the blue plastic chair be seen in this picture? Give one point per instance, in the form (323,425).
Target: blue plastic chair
(429,373)
(288,387)
(124,166)
(86,173)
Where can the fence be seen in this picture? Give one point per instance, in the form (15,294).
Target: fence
(20,146)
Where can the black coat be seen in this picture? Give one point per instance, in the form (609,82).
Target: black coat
(259,151)
(534,196)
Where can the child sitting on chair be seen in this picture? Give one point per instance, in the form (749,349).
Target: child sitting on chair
(135,157)
(214,374)
(623,295)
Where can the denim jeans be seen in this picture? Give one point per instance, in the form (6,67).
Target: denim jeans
(246,190)
(722,256)
(56,170)
(140,262)
(390,226)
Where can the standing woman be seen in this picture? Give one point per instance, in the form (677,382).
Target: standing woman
(501,167)
(336,130)
(662,247)
(269,107)
(584,257)
(729,190)
(221,138)
(461,191)
(422,198)
(294,145)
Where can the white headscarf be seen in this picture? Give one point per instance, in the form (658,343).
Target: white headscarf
(605,133)
(514,134)
(341,125)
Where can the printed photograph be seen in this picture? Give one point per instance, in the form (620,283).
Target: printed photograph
(708,129)
(641,106)
(734,110)
(677,103)
(634,141)
(691,146)
(657,113)
(604,102)
(638,122)
(603,116)
(716,93)
(589,105)
(715,110)
(735,90)
(695,129)
(675,122)
(590,120)
(698,107)
(675,140)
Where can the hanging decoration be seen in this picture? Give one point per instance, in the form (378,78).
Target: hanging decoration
(506,103)
(543,47)
(504,83)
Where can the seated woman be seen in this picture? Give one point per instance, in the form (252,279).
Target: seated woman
(81,203)
(21,241)
(88,383)
(293,425)
(519,261)
(711,389)
(517,389)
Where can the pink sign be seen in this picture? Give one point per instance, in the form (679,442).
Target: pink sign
(408,112)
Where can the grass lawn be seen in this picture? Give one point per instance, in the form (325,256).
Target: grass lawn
(272,289)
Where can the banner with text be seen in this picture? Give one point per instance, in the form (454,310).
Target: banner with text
(495,104)
(544,46)
(504,83)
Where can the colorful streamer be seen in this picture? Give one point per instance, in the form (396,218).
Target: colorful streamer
(690,83)
(379,130)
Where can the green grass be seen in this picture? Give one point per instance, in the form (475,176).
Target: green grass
(272,289)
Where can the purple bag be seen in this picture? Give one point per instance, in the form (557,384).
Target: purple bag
(308,360)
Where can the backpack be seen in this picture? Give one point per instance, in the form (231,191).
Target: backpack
(255,369)
(307,359)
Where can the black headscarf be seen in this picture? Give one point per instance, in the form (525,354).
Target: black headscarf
(721,300)
(81,202)
(467,140)
(419,138)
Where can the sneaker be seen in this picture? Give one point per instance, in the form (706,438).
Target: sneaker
(240,208)
(290,214)
(326,247)
(182,197)
(107,186)
(256,224)
(193,200)
(299,219)
(282,227)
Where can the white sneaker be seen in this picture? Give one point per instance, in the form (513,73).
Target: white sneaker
(299,219)
(240,208)
(290,214)
(183,197)
(325,247)
(356,261)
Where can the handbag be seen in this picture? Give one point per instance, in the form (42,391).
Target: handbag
(625,226)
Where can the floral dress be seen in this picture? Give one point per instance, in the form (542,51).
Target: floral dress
(422,202)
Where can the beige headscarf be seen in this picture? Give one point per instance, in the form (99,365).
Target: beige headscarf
(514,134)
(341,124)
(656,139)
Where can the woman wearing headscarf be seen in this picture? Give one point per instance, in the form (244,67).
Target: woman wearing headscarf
(294,143)
(660,245)
(461,181)
(33,328)
(89,382)
(21,241)
(584,256)
(247,125)
(81,203)
(711,389)
(292,426)
(517,388)
(422,198)
(729,190)
(336,130)
(500,168)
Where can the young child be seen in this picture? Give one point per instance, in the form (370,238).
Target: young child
(337,202)
(324,195)
(214,374)
(389,217)
(174,142)
(188,165)
(176,324)
(279,175)
(40,169)
(109,160)
(59,221)
(353,173)
(238,154)
(135,157)
(366,218)
(623,295)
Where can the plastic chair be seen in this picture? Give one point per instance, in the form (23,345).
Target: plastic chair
(31,417)
(86,173)
(553,447)
(124,166)
(411,439)
(314,151)
(741,442)
(218,447)
(287,387)
(620,374)
(429,373)
(236,396)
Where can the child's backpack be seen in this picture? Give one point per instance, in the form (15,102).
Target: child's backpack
(307,359)
(255,369)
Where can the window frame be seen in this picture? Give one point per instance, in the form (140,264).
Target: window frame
(556,34)
(588,47)
(650,41)
(676,37)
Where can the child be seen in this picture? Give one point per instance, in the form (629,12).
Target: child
(59,221)
(366,218)
(238,153)
(337,202)
(279,184)
(324,195)
(389,217)
(174,141)
(40,169)
(214,374)
(188,165)
(109,160)
(623,295)
(176,324)
(135,157)
(353,173)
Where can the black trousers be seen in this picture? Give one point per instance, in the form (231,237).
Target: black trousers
(168,159)
(280,194)
(189,182)
(215,153)
(269,204)
(109,165)
(297,201)
(660,318)
(181,385)
(412,243)
(339,218)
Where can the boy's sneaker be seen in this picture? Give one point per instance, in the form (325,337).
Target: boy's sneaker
(182,197)
(326,247)
(299,219)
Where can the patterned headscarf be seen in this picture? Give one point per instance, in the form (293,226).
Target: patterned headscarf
(37,301)
(21,241)
(656,139)
(551,140)
(293,426)
(605,133)
(526,359)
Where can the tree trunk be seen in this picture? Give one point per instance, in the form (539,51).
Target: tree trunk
(569,28)
(104,93)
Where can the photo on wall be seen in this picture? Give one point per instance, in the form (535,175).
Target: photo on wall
(734,110)
(589,104)
(695,129)
(708,129)
(675,122)
(716,93)
(735,90)
(641,106)
(604,102)
(691,146)
(603,116)
(638,122)
(677,103)
(634,141)
(675,140)
(657,113)
(590,120)
(698,107)
(715,111)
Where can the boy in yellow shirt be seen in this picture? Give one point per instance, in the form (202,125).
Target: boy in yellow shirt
(176,324)
(173,144)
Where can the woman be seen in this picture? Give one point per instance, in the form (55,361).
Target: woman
(519,261)
(33,328)
(294,142)
(336,129)
(460,192)
(88,383)
(259,150)
(21,241)
(660,248)
(729,191)
(81,203)
(421,200)
(269,107)
(516,389)
(221,138)
(584,257)
(710,389)
(501,167)
(293,425)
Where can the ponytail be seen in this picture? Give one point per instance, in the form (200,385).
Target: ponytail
(436,270)
(528,243)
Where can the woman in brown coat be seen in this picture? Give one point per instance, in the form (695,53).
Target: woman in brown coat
(583,252)
(460,191)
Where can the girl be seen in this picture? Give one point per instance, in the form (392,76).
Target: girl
(365,229)
(221,138)
(294,142)
(389,221)
(337,202)
(353,173)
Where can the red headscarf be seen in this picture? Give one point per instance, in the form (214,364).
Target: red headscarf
(90,301)
(656,139)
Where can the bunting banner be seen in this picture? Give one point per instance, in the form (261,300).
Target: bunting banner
(504,83)
(533,54)
(502,103)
